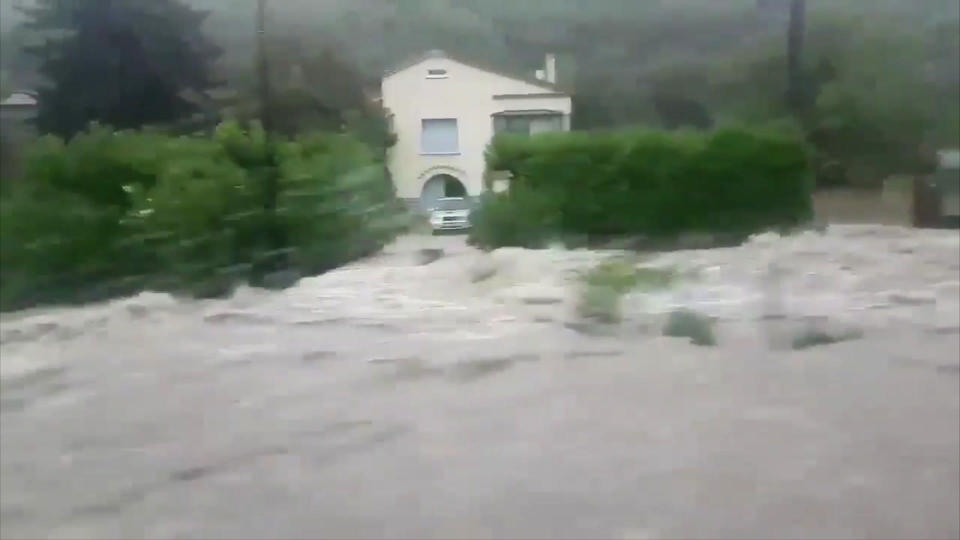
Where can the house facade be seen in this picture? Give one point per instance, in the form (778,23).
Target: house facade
(444,112)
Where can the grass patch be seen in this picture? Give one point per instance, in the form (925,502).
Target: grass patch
(690,324)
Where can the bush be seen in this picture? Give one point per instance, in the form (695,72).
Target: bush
(599,303)
(59,246)
(605,285)
(99,164)
(523,217)
(690,324)
(113,212)
(201,221)
(337,202)
(734,180)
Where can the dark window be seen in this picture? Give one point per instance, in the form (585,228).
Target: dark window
(527,125)
(436,73)
(512,124)
(453,188)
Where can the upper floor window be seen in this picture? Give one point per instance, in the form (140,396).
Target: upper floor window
(527,125)
(439,136)
(436,74)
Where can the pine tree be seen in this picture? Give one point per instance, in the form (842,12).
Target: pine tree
(123,63)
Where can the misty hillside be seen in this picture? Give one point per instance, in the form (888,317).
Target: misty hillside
(613,54)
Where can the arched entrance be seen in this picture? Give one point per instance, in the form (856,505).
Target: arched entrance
(438,187)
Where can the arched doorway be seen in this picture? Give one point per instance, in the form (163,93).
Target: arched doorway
(440,186)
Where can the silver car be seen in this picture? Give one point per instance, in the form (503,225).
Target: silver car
(450,213)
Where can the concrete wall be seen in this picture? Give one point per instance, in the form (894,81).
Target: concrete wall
(892,206)
(467,94)
(16,134)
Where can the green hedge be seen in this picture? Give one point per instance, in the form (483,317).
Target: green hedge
(111,213)
(657,184)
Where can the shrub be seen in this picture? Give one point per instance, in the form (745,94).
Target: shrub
(111,212)
(599,303)
(336,201)
(98,164)
(734,180)
(605,285)
(690,324)
(59,246)
(623,276)
(813,337)
(618,275)
(523,218)
(201,222)
(61,223)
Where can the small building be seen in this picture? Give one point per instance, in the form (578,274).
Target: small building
(19,106)
(445,111)
(17,112)
(936,200)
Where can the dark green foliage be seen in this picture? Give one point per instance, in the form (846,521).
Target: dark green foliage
(201,222)
(690,324)
(335,200)
(314,92)
(656,184)
(815,337)
(57,246)
(522,218)
(122,63)
(98,164)
(114,212)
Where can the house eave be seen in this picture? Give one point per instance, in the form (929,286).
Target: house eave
(530,95)
(529,112)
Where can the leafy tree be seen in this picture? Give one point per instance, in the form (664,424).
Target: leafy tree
(316,92)
(313,92)
(875,115)
(124,63)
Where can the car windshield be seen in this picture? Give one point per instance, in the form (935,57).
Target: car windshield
(452,204)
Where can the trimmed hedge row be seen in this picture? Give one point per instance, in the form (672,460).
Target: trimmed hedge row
(649,183)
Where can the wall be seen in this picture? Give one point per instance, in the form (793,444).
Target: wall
(864,206)
(467,95)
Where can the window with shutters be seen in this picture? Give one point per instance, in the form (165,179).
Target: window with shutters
(439,136)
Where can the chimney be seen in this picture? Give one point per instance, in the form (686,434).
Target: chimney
(550,68)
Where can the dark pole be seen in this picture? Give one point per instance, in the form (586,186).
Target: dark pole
(273,236)
(262,71)
(796,93)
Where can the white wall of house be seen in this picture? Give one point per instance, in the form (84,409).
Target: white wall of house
(466,94)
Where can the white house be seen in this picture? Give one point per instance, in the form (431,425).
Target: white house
(444,111)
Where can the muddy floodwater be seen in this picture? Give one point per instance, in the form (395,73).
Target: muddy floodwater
(450,393)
